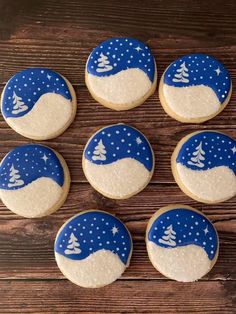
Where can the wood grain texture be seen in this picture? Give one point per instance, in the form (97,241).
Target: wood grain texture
(60,35)
(121,297)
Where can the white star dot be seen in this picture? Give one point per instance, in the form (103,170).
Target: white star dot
(218,71)
(45,158)
(233,149)
(114,230)
(138,49)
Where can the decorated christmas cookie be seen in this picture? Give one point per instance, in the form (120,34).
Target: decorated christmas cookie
(182,243)
(121,73)
(204,166)
(38,103)
(34,180)
(93,249)
(118,161)
(195,88)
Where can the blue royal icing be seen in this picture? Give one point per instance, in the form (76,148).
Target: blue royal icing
(25,164)
(199,69)
(25,88)
(118,54)
(116,142)
(206,150)
(90,232)
(181,227)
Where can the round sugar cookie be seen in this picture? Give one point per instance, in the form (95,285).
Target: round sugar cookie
(118,161)
(93,249)
(121,73)
(195,88)
(38,103)
(204,166)
(182,243)
(34,180)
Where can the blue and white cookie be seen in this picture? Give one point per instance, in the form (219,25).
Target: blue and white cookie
(204,166)
(121,73)
(34,180)
(182,243)
(93,249)
(38,103)
(118,161)
(195,88)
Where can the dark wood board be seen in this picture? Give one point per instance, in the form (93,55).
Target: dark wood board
(60,35)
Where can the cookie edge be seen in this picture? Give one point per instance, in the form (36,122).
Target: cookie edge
(65,187)
(81,213)
(175,116)
(55,134)
(175,172)
(165,209)
(98,190)
(127,106)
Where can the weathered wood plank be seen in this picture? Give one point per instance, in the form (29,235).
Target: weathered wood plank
(120,297)
(60,35)
(79,20)
(27,244)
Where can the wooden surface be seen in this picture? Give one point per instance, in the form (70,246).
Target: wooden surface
(60,35)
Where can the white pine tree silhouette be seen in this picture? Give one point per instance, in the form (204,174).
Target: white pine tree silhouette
(182,74)
(99,152)
(169,237)
(104,64)
(14,178)
(198,157)
(19,105)
(73,245)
